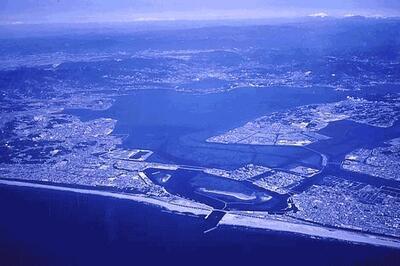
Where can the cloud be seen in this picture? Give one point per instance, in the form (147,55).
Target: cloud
(106,10)
(320,15)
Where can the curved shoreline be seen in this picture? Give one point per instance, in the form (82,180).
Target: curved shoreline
(236,219)
(230,219)
(175,207)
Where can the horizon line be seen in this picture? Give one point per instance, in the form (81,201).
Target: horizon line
(319,15)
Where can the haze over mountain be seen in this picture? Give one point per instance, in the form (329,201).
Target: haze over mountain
(72,11)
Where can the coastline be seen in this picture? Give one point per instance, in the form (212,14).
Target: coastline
(170,206)
(229,219)
(232,219)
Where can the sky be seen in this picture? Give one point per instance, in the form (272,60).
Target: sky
(72,11)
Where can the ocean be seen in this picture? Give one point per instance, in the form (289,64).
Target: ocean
(43,227)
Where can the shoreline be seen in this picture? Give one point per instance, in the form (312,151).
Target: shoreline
(170,206)
(236,219)
(229,219)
